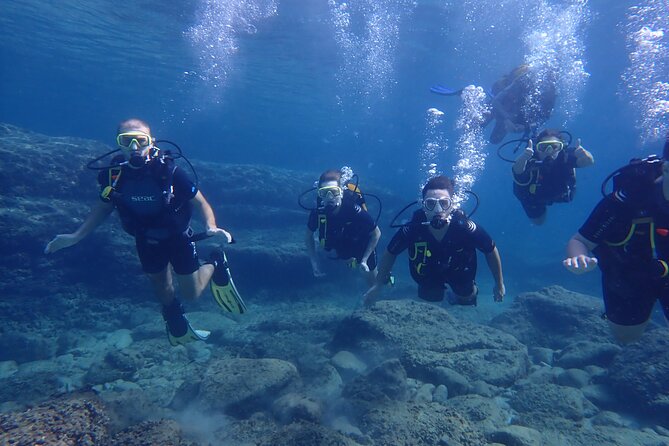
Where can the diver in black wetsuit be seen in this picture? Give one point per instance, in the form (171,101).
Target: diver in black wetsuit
(155,200)
(343,225)
(545,173)
(509,105)
(628,232)
(442,244)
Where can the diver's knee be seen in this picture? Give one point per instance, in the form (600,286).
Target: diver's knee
(626,334)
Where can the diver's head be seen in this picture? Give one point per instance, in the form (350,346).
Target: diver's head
(437,200)
(135,141)
(549,144)
(330,192)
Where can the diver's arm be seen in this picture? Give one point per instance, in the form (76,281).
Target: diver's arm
(521,163)
(311,252)
(383,277)
(374,237)
(578,259)
(98,214)
(583,157)
(495,265)
(208,216)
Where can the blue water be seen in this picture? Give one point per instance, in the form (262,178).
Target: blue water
(303,92)
(292,97)
(77,68)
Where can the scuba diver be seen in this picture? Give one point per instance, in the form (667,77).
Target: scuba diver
(442,243)
(545,173)
(509,105)
(519,103)
(342,224)
(628,236)
(155,199)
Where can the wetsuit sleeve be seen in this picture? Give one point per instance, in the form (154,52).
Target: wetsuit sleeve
(602,221)
(400,240)
(183,186)
(365,222)
(482,240)
(571,158)
(312,223)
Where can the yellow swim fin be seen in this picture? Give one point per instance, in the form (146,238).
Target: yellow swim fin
(223,287)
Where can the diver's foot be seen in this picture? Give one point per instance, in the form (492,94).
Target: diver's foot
(179,330)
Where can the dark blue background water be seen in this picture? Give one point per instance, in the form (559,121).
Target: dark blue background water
(77,68)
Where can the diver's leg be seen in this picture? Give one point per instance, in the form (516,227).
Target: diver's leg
(626,334)
(535,210)
(464,293)
(628,302)
(163,286)
(155,263)
(192,277)
(540,220)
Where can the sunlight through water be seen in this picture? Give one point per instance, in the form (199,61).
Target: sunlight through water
(646,79)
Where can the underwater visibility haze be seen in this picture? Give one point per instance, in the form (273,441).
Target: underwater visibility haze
(262,96)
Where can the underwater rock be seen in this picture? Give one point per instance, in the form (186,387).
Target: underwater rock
(554,318)
(293,407)
(22,346)
(576,378)
(516,436)
(542,374)
(584,353)
(31,386)
(424,394)
(161,432)
(343,425)
(419,424)
(116,365)
(639,375)
(607,418)
(541,355)
(537,401)
(386,382)
(440,394)
(348,364)
(324,385)
(455,382)
(486,414)
(241,386)
(305,434)
(80,420)
(602,396)
(425,337)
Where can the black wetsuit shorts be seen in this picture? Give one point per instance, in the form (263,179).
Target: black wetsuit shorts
(155,255)
(629,299)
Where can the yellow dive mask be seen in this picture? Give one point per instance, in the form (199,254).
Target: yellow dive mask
(126,139)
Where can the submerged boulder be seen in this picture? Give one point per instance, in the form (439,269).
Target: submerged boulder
(640,375)
(241,386)
(427,340)
(554,318)
(80,420)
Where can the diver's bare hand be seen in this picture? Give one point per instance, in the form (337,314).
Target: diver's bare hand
(580,264)
(59,242)
(498,292)
(579,150)
(371,295)
(218,231)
